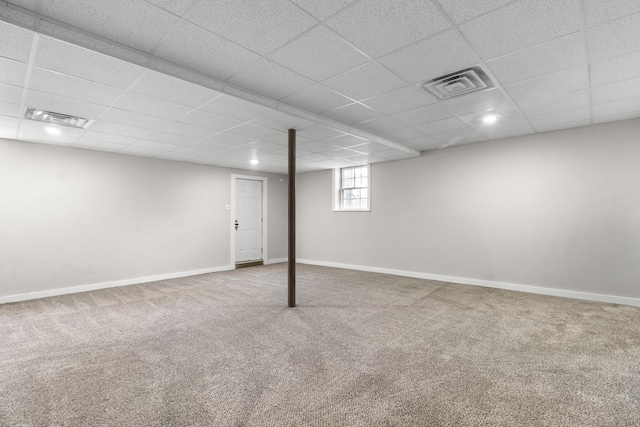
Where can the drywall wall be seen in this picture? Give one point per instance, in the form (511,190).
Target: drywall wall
(557,210)
(72,217)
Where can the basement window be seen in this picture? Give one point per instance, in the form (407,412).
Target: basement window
(352,189)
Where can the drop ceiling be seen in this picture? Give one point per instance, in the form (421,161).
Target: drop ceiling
(220,82)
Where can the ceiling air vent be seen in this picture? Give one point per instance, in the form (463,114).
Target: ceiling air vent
(461,82)
(57,118)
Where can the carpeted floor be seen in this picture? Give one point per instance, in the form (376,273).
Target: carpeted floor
(361,349)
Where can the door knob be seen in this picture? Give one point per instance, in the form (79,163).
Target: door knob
(236,224)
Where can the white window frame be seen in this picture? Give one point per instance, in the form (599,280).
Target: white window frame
(337,182)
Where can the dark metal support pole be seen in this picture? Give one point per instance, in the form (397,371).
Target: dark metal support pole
(292,218)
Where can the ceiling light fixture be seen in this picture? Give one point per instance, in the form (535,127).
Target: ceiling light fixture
(57,118)
(490,118)
(52,131)
(254,161)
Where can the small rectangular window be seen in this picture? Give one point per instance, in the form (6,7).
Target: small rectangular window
(352,189)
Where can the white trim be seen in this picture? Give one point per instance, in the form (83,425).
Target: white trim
(275,261)
(113,284)
(265,215)
(486,283)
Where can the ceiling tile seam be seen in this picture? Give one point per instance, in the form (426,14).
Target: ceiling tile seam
(146,61)
(483,13)
(533,46)
(193,2)
(111,106)
(483,63)
(27,81)
(584,41)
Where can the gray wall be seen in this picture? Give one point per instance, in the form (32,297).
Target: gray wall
(72,217)
(558,210)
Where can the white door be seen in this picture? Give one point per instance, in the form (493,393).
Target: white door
(248,223)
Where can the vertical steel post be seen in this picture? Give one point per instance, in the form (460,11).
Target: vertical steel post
(292,219)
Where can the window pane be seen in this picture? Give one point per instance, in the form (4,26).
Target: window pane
(364,193)
(365,171)
(365,182)
(358,182)
(358,172)
(347,173)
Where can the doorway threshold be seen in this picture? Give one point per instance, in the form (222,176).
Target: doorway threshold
(253,263)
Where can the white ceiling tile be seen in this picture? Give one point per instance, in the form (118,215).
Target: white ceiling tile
(177,7)
(281,122)
(429,113)
(317,99)
(43,138)
(117,129)
(460,137)
(235,108)
(264,146)
(564,101)
(73,87)
(15,42)
(555,55)
(321,10)
(316,147)
(12,72)
(109,138)
(339,153)
(10,93)
(549,85)
(172,89)
(345,141)
(319,54)
(270,79)
(353,113)
(65,58)
(192,151)
(567,116)
(478,101)
(365,81)
(187,130)
(172,155)
(403,134)
(379,26)
(208,146)
(90,144)
(208,120)
(9,109)
(508,132)
(563,125)
(407,98)
(520,25)
(370,147)
(508,117)
(8,122)
(133,23)
(393,154)
(139,151)
(170,138)
(161,146)
(253,131)
(318,132)
(441,126)
(614,38)
(416,63)
(61,104)
(228,139)
(615,91)
(625,106)
(461,11)
(380,125)
(151,106)
(204,52)
(616,69)
(129,118)
(598,11)
(283,139)
(258,26)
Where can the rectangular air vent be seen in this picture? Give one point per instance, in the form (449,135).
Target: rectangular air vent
(57,118)
(461,82)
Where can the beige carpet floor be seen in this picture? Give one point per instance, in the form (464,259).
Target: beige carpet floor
(361,349)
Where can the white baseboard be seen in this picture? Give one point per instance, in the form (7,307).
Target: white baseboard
(275,261)
(104,285)
(486,283)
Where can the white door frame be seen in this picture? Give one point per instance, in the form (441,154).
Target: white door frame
(265,215)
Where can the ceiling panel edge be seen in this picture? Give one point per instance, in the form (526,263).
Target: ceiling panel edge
(41,24)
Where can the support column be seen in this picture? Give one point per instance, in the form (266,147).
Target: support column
(292,219)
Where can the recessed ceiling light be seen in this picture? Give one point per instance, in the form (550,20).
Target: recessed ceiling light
(490,118)
(52,131)
(254,161)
